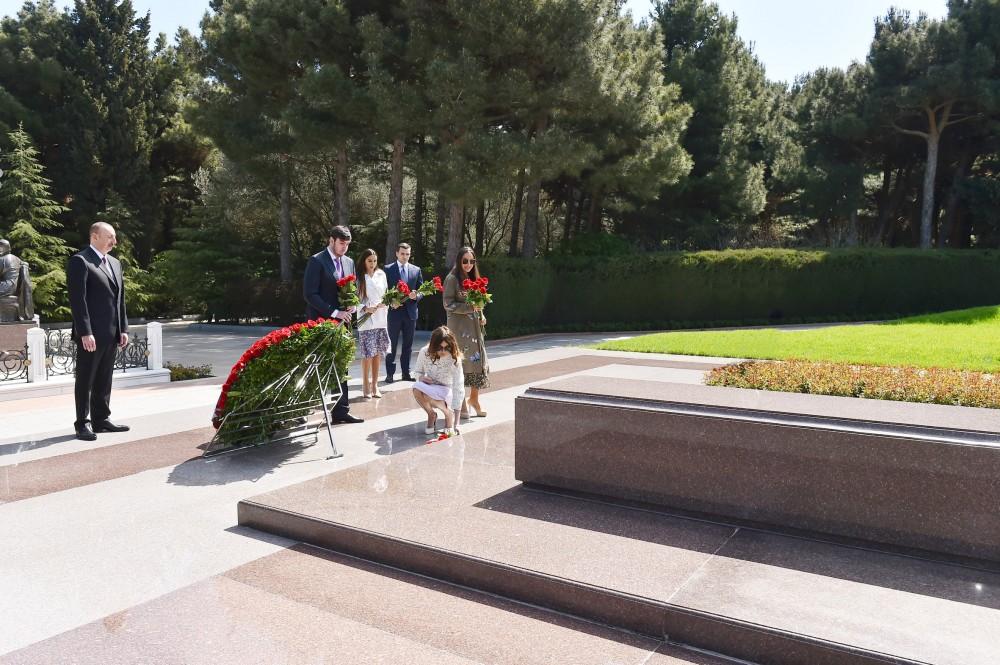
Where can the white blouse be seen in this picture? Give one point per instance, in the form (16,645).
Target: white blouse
(443,371)
(375,288)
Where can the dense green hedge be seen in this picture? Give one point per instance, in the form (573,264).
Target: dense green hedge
(697,289)
(734,287)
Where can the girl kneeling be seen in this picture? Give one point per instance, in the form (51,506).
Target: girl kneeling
(440,382)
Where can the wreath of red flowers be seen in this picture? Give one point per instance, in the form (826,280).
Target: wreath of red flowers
(256,349)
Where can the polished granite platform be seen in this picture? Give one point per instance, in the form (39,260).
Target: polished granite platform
(900,474)
(452,510)
(304,606)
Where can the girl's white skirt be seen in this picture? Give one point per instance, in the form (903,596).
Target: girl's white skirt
(442,393)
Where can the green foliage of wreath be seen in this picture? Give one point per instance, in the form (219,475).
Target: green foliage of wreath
(259,403)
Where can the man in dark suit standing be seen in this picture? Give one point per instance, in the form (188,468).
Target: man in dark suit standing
(403,319)
(319,287)
(100,327)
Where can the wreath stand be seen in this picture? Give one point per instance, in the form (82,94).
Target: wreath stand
(305,388)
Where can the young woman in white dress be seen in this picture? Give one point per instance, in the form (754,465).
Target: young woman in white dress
(440,382)
(373,334)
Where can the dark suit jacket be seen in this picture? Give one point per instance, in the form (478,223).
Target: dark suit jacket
(97,302)
(319,287)
(414,278)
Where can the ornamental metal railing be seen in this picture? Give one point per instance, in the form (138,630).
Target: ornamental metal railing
(52,353)
(14,364)
(60,353)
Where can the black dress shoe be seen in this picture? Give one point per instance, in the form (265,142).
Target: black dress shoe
(108,426)
(85,433)
(389,379)
(347,419)
(407,377)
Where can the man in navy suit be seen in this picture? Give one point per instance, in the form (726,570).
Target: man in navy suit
(403,319)
(319,287)
(100,327)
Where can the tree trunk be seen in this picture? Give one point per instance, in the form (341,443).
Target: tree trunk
(439,213)
(930,175)
(568,221)
(343,195)
(515,227)
(395,199)
(895,199)
(594,216)
(455,223)
(418,222)
(285,227)
(852,228)
(529,244)
(480,227)
(882,199)
(578,221)
(951,205)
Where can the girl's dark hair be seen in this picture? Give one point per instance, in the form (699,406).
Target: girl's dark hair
(461,274)
(364,271)
(443,339)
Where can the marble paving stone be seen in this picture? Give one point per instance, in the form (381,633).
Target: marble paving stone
(307,606)
(39,466)
(47,445)
(437,493)
(441,498)
(75,555)
(910,608)
(38,477)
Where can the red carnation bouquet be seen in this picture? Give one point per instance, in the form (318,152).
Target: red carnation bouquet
(398,294)
(393,297)
(347,294)
(476,293)
(431,287)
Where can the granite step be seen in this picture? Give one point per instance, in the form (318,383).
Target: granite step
(305,606)
(453,511)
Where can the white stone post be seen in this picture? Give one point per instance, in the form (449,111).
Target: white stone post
(154,334)
(36,355)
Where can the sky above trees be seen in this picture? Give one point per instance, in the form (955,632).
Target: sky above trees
(791,37)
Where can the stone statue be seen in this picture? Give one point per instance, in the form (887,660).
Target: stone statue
(16,303)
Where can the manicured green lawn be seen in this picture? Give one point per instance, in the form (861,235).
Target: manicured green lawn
(961,339)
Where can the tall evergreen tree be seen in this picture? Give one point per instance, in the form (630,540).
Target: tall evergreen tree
(726,86)
(256,55)
(637,123)
(30,222)
(394,89)
(102,107)
(830,113)
(929,76)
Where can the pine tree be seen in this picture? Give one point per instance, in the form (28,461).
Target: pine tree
(725,84)
(137,280)
(29,222)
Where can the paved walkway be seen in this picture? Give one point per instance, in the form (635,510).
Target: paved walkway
(197,344)
(132,539)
